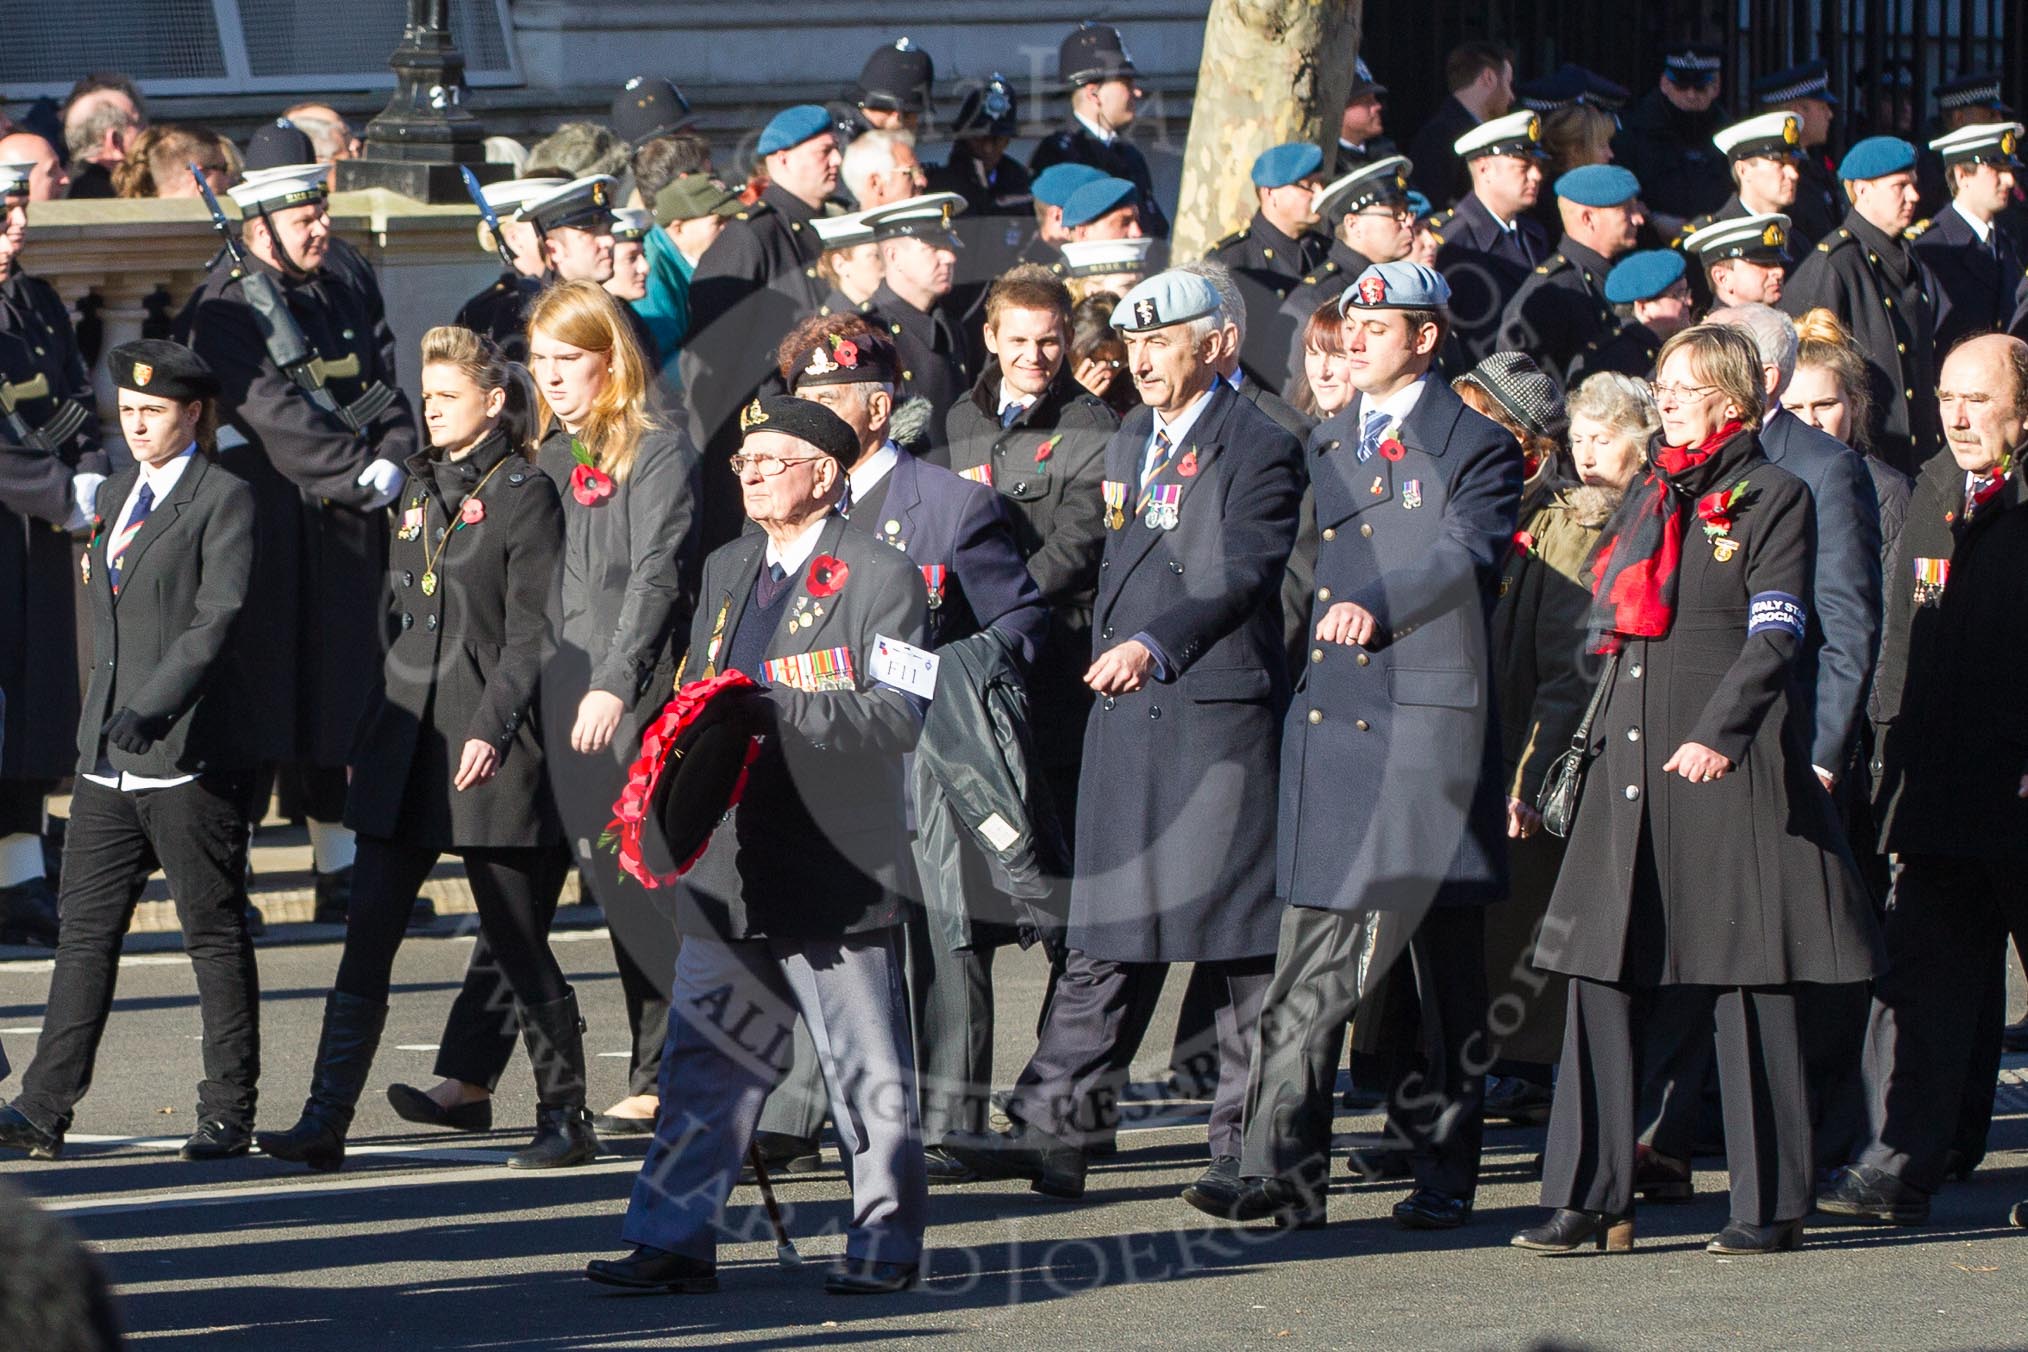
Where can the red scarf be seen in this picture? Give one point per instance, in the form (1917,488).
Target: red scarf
(1986,489)
(1635,566)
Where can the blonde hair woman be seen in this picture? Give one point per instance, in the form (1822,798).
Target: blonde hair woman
(629,490)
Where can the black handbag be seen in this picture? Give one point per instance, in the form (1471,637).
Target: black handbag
(1557,802)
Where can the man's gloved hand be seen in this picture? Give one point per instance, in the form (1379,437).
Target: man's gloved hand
(132,733)
(385,478)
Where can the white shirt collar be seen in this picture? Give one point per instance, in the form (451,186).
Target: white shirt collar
(1008,395)
(1983,229)
(1396,406)
(799,549)
(1092,127)
(161,478)
(872,470)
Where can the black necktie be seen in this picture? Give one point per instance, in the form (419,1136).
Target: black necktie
(771,586)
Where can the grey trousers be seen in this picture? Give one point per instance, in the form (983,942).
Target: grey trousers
(951,998)
(730,1018)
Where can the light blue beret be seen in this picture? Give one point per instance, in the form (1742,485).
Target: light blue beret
(1166,298)
(1095,199)
(1876,157)
(1055,184)
(1643,276)
(793,126)
(1281,165)
(1598,185)
(1397,286)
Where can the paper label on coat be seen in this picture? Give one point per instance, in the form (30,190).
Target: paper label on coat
(999,833)
(1776,610)
(904,666)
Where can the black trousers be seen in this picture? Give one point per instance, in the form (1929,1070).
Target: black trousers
(1291,1091)
(1935,1022)
(951,998)
(22,803)
(515,890)
(196,833)
(1589,1165)
(1097,1018)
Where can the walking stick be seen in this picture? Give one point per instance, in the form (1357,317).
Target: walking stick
(785,1252)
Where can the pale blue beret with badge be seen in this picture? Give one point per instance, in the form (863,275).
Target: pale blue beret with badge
(1166,298)
(1399,285)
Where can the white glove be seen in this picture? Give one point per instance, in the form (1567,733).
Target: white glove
(385,478)
(84,494)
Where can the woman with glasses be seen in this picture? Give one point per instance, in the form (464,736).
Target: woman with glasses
(1706,866)
(629,489)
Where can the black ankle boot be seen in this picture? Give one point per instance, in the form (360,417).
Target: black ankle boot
(1569,1230)
(564,1137)
(344,1055)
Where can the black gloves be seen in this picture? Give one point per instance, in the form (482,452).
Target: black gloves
(132,733)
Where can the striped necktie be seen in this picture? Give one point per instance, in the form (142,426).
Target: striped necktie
(116,552)
(1164,449)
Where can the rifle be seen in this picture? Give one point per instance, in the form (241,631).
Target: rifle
(61,426)
(283,336)
(490,217)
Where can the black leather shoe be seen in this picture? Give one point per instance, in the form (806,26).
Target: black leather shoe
(413,1105)
(28,914)
(1432,1209)
(2014,1037)
(941,1167)
(1875,1196)
(423,914)
(334,896)
(564,1139)
(1740,1238)
(784,1154)
(605,1124)
(1509,1098)
(1569,1230)
(216,1139)
(1376,1163)
(1288,1205)
(2018,1217)
(866,1277)
(18,1133)
(1216,1191)
(1661,1178)
(647,1269)
(1053,1167)
(256,923)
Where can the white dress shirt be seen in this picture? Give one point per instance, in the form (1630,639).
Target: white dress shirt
(1178,431)
(871,471)
(798,551)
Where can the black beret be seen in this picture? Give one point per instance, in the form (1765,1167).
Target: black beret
(158,366)
(804,420)
(835,359)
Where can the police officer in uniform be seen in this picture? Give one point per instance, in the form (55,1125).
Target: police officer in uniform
(1805,90)
(500,312)
(1665,139)
(164,778)
(1979,272)
(1360,140)
(1278,247)
(1649,292)
(979,168)
(323,446)
(893,91)
(1866,274)
(757,278)
(1173,835)
(1370,205)
(50,470)
(1094,64)
(920,253)
(1416,497)
(1489,242)
(1561,310)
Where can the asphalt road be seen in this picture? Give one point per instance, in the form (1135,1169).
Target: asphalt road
(425,1241)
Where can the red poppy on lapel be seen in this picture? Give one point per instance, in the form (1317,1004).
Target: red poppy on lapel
(472,512)
(1044,451)
(827,576)
(1187,466)
(1391,449)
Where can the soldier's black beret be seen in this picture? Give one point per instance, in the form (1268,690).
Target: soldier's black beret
(160,367)
(803,419)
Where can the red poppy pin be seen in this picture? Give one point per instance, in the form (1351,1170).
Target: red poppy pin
(1047,448)
(1524,543)
(845,352)
(827,576)
(589,484)
(1187,467)
(1392,449)
(472,512)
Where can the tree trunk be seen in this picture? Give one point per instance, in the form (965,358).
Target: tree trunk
(1273,71)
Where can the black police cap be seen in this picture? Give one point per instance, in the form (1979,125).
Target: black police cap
(1092,52)
(159,367)
(278,143)
(989,110)
(897,78)
(648,106)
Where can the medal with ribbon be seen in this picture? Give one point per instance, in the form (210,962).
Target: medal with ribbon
(1115,493)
